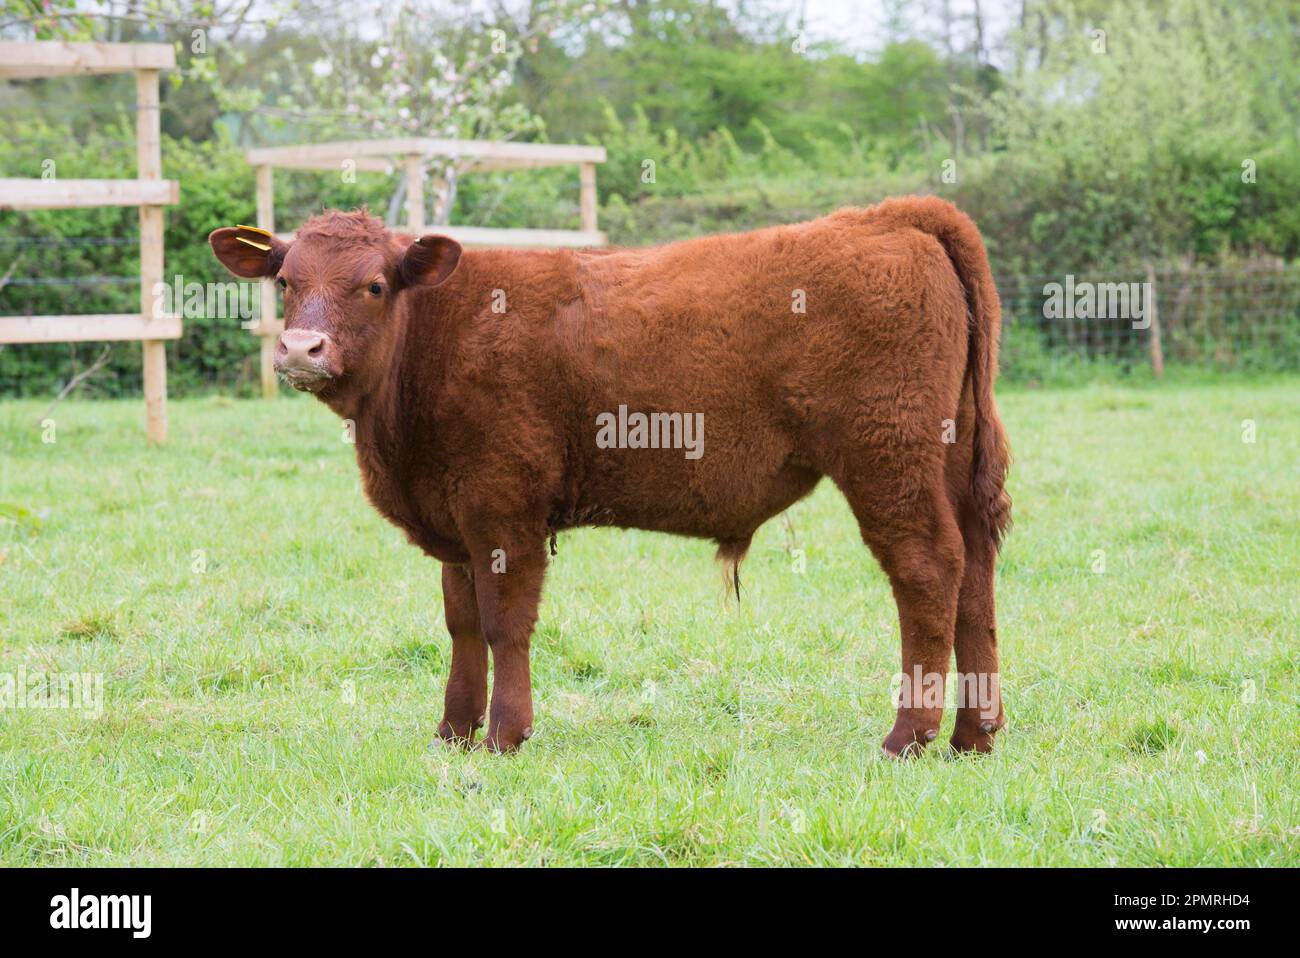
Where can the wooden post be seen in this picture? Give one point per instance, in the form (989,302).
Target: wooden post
(587,197)
(268,328)
(266,360)
(149,162)
(414,194)
(1157,351)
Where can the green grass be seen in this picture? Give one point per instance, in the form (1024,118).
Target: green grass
(275,707)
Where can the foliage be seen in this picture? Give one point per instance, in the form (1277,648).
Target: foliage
(1133,146)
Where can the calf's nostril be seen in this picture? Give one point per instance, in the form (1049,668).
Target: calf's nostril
(317,348)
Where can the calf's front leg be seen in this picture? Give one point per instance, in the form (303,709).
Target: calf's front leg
(508,585)
(465,703)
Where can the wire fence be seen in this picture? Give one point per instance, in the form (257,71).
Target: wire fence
(1240,317)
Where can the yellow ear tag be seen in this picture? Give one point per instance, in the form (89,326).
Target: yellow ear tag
(248,242)
(253,229)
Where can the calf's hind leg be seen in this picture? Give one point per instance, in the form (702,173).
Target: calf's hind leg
(979,708)
(918,544)
(465,702)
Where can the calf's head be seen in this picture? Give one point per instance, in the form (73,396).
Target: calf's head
(342,279)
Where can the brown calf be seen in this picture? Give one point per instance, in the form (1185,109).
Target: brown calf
(502,395)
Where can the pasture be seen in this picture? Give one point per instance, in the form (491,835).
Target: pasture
(273,658)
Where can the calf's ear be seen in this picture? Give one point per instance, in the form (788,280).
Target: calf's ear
(429,260)
(248,251)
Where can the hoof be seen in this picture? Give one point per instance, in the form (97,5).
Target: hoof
(449,737)
(966,739)
(503,744)
(906,743)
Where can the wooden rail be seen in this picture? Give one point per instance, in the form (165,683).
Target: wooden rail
(78,194)
(26,60)
(88,327)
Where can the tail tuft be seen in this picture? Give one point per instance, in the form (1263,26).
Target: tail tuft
(731,552)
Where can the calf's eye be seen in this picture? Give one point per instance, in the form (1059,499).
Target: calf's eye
(282,283)
(376,289)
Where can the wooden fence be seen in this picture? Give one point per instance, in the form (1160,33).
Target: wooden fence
(149,191)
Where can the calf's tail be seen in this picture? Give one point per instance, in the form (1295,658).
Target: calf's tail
(961,240)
